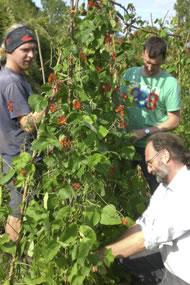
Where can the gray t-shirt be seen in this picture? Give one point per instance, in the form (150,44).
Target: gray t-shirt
(14,93)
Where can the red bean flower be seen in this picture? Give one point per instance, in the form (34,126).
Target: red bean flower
(77,104)
(91,4)
(62,120)
(23,172)
(52,107)
(116,19)
(10,106)
(112,170)
(76,186)
(107,38)
(124,221)
(65,143)
(120,110)
(123,124)
(114,56)
(99,68)
(124,95)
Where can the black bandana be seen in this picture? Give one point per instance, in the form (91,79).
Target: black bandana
(17,38)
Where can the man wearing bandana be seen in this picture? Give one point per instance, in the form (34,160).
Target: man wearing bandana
(17,122)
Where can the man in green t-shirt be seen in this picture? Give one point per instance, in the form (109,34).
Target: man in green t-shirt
(158,100)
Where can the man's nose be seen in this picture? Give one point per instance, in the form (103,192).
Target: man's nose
(150,67)
(149,169)
(31,53)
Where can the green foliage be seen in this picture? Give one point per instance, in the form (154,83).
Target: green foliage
(83,191)
(183,11)
(87,192)
(55,10)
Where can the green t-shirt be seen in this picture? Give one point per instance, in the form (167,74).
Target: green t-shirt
(154,97)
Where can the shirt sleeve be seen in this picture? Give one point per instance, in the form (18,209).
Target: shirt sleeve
(173,96)
(17,100)
(165,219)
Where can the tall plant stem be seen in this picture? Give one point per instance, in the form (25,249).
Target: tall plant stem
(41,59)
(70,69)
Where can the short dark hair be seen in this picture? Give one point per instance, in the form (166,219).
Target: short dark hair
(173,144)
(155,46)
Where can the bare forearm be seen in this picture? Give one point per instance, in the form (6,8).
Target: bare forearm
(165,126)
(130,243)
(171,123)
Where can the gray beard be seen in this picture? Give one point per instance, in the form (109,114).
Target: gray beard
(162,174)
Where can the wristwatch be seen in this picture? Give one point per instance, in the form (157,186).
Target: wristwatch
(147,131)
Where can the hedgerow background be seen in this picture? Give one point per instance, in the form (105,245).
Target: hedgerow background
(87,191)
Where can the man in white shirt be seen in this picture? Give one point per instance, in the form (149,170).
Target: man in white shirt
(157,248)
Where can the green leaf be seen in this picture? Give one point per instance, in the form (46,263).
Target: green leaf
(113,23)
(110,216)
(92,216)
(69,235)
(22,160)
(90,126)
(65,192)
(87,36)
(30,250)
(127,152)
(9,247)
(120,16)
(102,132)
(99,38)
(108,257)
(74,272)
(0,195)
(74,118)
(88,232)
(83,251)
(35,213)
(81,171)
(7,282)
(130,222)
(63,212)
(78,280)
(52,250)
(39,280)
(140,207)
(100,162)
(37,102)
(4,239)
(6,178)
(46,197)
(44,141)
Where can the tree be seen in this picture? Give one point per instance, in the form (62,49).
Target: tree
(182,8)
(55,10)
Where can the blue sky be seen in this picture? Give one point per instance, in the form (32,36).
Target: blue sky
(144,8)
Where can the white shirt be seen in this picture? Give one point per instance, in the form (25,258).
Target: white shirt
(166,224)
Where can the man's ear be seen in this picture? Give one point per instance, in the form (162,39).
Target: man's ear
(166,156)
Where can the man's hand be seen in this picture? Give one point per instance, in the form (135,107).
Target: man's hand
(138,135)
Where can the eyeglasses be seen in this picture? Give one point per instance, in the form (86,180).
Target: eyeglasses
(149,162)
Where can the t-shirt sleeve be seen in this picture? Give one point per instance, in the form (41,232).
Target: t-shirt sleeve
(173,96)
(17,100)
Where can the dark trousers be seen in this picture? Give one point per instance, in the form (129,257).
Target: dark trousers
(149,269)
(151,179)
